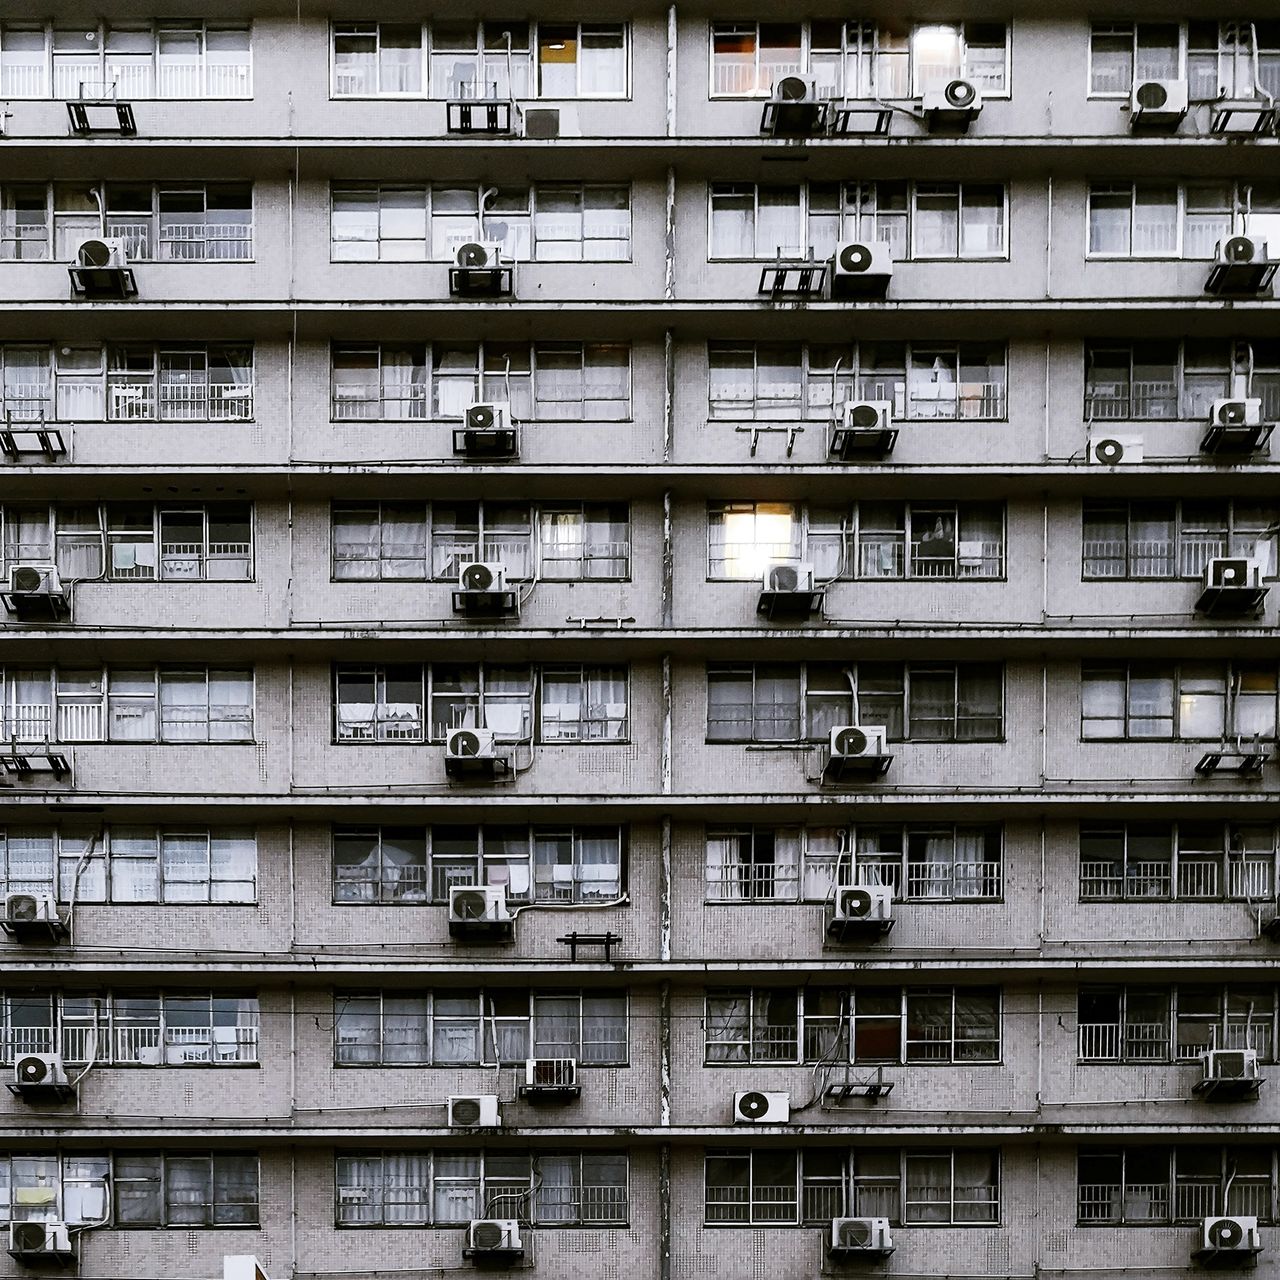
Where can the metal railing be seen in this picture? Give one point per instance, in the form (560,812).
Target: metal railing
(1128,1042)
(354,401)
(753,882)
(1202,878)
(194,561)
(382,725)
(590,1203)
(953,880)
(1187,557)
(515,554)
(1131,401)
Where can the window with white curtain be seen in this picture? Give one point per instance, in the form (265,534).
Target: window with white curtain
(1178,220)
(915,220)
(550,222)
(583,704)
(416,865)
(560,541)
(890,1025)
(479,1027)
(448,1188)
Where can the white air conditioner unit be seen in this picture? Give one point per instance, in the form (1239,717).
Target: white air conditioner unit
(35,580)
(856,259)
(1240,251)
(1232,1234)
(864,902)
(1113,451)
(478,903)
(551,1073)
(1233,571)
(101,254)
(860,1235)
(956,97)
(489,1236)
(482,576)
(1236,413)
(478,255)
(31,908)
(488,417)
(795,89)
(38,1240)
(788,575)
(751,1106)
(867,415)
(851,741)
(470,744)
(474,1111)
(1159,102)
(1230,1064)
(39,1071)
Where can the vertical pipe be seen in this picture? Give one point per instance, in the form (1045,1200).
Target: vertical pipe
(669,237)
(672,66)
(668,394)
(665,892)
(664,1211)
(668,566)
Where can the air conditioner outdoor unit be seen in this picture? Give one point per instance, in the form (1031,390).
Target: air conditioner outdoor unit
(788,575)
(795,89)
(958,100)
(551,1073)
(1159,102)
(482,576)
(39,1071)
(474,1111)
(852,1236)
(1240,251)
(1230,1064)
(488,417)
(470,744)
(853,741)
(864,902)
(751,1106)
(1233,571)
(861,266)
(1112,451)
(477,255)
(38,1241)
(35,580)
(101,254)
(478,904)
(867,415)
(1236,413)
(494,1237)
(31,908)
(1232,1234)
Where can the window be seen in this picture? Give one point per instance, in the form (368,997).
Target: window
(1133,1024)
(127,383)
(117,705)
(564,222)
(209,222)
(478,1028)
(811,1186)
(1184,861)
(1160,1184)
(832,1025)
(916,220)
(452,1188)
(1170,539)
(187,59)
(480,60)
(175,1189)
(935,540)
(575,703)
(934,863)
(1190,701)
(70,1188)
(410,865)
(790,702)
(161,1029)
(409,541)
(1218,59)
(133,542)
(133,864)
(1159,381)
(1171,220)
(855,59)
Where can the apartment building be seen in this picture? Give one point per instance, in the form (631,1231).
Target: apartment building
(639,641)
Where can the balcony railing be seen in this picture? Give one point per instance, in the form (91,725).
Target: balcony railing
(753,882)
(1188,557)
(202,240)
(145,1045)
(356,401)
(953,880)
(1196,878)
(1132,1042)
(514,554)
